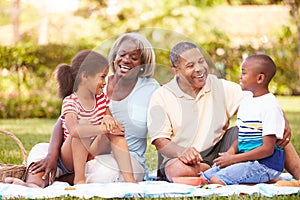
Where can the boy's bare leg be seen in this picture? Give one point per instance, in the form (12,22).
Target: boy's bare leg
(215,180)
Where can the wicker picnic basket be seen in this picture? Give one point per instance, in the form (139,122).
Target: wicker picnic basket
(13,170)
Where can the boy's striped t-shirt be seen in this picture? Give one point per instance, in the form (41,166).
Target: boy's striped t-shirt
(250,134)
(258,117)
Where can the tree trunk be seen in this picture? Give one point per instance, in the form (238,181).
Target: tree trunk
(295,14)
(15,15)
(43,32)
(296,18)
(229,2)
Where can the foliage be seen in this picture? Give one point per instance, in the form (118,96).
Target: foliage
(26,69)
(41,58)
(17,106)
(27,85)
(4,12)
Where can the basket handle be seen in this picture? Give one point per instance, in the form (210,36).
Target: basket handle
(18,142)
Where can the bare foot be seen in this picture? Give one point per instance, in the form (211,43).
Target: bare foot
(273,180)
(79,182)
(203,180)
(16,181)
(203,167)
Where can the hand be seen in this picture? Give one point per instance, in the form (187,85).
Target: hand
(47,165)
(190,156)
(286,136)
(118,130)
(121,127)
(110,122)
(224,160)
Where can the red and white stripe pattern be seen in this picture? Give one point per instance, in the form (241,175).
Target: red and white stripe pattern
(71,104)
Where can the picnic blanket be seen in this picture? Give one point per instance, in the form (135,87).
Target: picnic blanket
(150,189)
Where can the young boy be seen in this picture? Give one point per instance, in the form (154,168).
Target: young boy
(253,157)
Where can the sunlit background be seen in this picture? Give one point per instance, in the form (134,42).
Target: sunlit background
(37,35)
(63,21)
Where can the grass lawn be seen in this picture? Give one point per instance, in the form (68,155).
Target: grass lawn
(32,131)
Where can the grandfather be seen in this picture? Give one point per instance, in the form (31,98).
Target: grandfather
(188,118)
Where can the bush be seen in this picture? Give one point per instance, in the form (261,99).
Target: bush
(27,85)
(28,88)
(29,97)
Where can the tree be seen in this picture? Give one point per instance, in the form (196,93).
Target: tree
(294,10)
(15,14)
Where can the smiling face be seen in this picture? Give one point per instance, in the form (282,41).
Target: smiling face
(191,71)
(128,59)
(257,71)
(248,77)
(97,82)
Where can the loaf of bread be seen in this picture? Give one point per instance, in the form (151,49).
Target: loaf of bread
(292,183)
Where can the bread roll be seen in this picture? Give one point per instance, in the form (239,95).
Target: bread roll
(292,183)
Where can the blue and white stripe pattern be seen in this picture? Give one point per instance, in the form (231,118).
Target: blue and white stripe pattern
(250,134)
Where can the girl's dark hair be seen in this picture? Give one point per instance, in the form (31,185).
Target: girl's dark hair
(68,76)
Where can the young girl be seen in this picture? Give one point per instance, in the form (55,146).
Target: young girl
(86,117)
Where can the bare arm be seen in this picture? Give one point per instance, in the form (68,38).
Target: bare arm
(258,153)
(233,148)
(171,150)
(83,129)
(287,134)
(49,163)
(56,140)
(110,122)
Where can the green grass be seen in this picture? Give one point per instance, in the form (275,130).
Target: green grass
(291,107)
(32,131)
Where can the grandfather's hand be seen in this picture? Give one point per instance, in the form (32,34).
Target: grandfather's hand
(286,136)
(190,156)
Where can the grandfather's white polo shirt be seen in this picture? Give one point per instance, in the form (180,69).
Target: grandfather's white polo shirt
(199,122)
